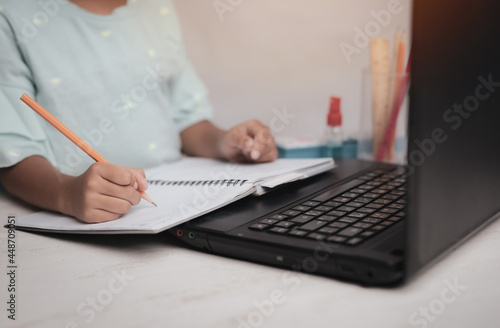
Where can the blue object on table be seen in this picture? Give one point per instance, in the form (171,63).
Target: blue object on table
(349,149)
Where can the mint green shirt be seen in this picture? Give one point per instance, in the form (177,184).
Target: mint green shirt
(121,82)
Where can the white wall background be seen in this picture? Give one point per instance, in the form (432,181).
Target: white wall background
(272,54)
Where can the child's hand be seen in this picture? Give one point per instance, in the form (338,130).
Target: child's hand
(103,193)
(249,141)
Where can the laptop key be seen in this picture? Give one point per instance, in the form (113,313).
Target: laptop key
(386,223)
(363,200)
(389,210)
(339,225)
(278,217)
(348,219)
(278,230)
(337,213)
(323,208)
(357,215)
(311,203)
(371,195)
(386,187)
(354,241)
(268,221)
(366,187)
(336,239)
(380,215)
(302,219)
(313,225)
(350,195)
(367,234)
(350,232)
(341,199)
(313,213)
(328,230)
(375,205)
(346,208)
(298,233)
(327,218)
(354,204)
(258,226)
(371,220)
(291,213)
(382,201)
(284,224)
(316,236)
(333,204)
(366,210)
(301,208)
(362,225)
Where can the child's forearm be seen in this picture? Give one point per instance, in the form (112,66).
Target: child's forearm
(202,139)
(36,181)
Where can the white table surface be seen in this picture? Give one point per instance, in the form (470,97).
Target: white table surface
(168,285)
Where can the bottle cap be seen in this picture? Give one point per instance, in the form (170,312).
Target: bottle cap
(334,115)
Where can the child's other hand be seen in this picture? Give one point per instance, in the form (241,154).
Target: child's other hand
(250,141)
(103,193)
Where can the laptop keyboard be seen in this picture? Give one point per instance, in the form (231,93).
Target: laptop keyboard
(348,214)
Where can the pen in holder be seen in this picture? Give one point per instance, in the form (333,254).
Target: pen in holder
(383,129)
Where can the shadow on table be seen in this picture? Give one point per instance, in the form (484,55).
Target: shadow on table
(116,241)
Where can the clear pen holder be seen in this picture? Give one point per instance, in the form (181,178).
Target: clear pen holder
(384,117)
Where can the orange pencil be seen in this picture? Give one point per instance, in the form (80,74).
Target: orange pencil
(70,134)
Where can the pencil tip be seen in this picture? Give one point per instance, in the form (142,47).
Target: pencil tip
(154,204)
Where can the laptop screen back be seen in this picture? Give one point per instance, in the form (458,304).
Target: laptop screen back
(454,124)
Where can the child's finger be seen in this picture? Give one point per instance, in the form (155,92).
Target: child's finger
(246,145)
(140,183)
(238,138)
(127,193)
(122,176)
(113,173)
(97,216)
(263,143)
(113,204)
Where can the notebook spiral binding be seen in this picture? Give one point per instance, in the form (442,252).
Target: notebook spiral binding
(184,183)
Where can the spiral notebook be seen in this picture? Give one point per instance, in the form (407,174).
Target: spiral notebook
(184,190)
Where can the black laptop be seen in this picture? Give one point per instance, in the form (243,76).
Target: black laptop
(376,223)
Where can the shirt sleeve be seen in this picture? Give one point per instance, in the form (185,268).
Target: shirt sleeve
(188,95)
(189,98)
(21,132)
